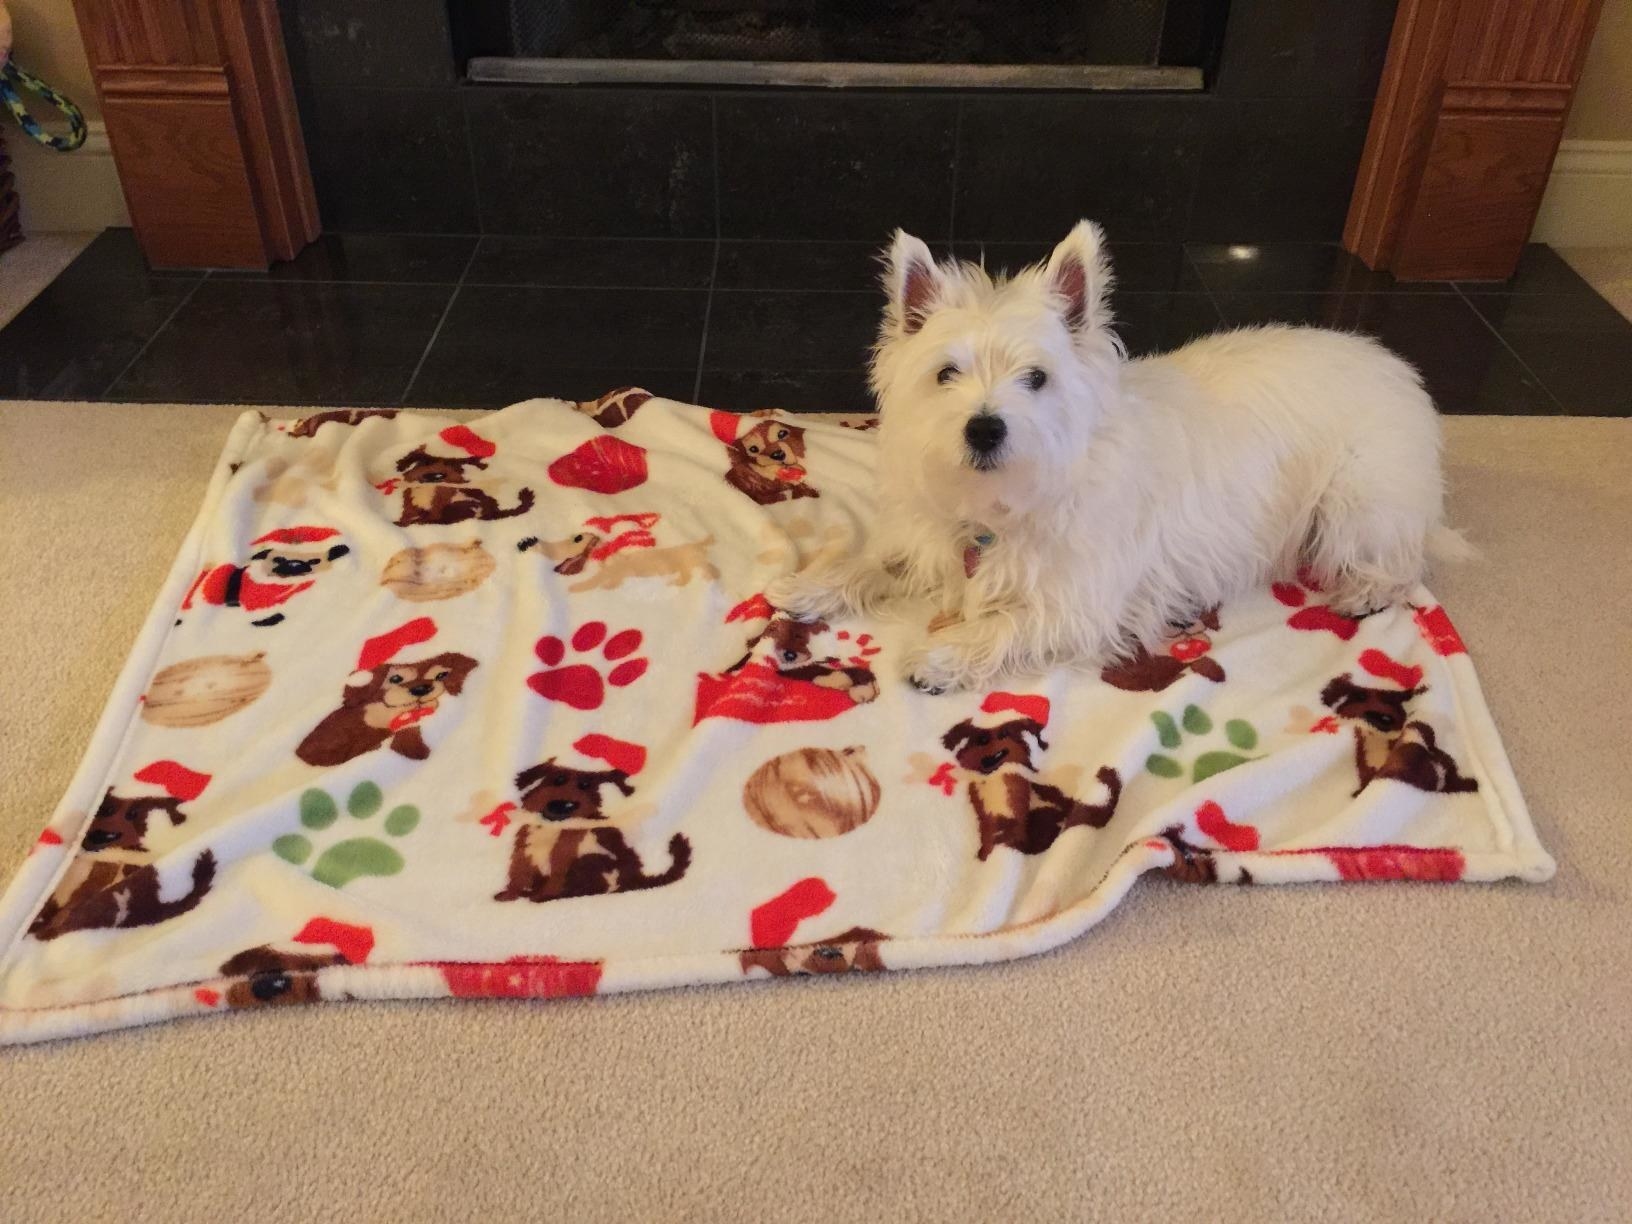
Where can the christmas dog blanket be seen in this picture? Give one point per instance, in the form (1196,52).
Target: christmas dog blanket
(500,709)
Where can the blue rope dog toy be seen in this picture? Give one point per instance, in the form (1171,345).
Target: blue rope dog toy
(11,78)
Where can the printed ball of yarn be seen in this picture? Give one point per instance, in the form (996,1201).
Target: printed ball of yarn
(197,692)
(437,571)
(812,792)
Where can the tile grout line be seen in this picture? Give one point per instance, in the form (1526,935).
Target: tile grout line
(1206,289)
(1502,340)
(107,391)
(437,330)
(714,268)
(470,157)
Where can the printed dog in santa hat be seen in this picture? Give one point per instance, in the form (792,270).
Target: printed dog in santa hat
(1012,807)
(767,459)
(385,699)
(1388,742)
(274,976)
(437,489)
(112,881)
(285,563)
(566,845)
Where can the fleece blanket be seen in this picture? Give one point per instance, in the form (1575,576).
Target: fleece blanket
(500,710)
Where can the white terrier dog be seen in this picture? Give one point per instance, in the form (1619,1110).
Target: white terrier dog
(1063,504)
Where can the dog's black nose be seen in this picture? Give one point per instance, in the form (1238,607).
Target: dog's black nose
(985,433)
(780,456)
(99,837)
(560,807)
(421,690)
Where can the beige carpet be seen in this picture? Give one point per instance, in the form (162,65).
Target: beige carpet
(1383,1052)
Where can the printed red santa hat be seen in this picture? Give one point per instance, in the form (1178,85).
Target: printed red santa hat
(352,942)
(724,425)
(621,755)
(174,779)
(296,535)
(999,708)
(385,647)
(1380,665)
(462,437)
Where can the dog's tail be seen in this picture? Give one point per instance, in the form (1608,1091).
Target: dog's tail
(680,854)
(203,877)
(1448,546)
(523,504)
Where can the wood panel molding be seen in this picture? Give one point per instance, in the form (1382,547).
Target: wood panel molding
(1467,120)
(201,115)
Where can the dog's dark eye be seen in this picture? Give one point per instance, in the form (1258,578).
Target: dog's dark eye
(559,780)
(829,952)
(441,675)
(753,450)
(394,679)
(587,784)
(983,739)
(946,374)
(1036,379)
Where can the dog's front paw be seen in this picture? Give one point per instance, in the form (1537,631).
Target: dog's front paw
(805,597)
(939,668)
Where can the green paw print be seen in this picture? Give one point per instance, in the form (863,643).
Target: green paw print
(350,858)
(1195,721)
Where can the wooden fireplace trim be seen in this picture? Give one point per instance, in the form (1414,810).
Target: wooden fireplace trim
(1467,121)
(201,115)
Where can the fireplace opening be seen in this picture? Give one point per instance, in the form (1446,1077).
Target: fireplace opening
(1088,44)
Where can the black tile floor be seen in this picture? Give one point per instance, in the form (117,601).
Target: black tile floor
(482,322)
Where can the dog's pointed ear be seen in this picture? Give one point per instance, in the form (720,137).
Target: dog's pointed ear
(1079,271)
(912,280)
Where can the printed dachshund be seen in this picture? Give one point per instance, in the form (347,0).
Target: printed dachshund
(577,553)
(766,463)
(112,881)
(270,978)
(854,951)
(1013,808)
(437,491)
(567,849)
(1188,651)
(1389,743)
(284,567)
(793,658)
(307,427)
(385,704)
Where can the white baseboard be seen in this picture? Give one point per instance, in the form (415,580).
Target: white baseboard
(67,191)
(1589,196)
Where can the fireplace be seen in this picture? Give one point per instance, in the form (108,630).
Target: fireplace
(1055,44)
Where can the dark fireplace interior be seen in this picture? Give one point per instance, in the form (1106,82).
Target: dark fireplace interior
(945,32)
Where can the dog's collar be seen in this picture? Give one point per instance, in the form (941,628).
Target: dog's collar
(972,551)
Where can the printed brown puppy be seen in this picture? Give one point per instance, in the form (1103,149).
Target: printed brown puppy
(437,491)
(1388,743)
(385,704)
(307,427)
(615,407)
(567,848)
(112,882)
(270,978)
(853,951)
(791,654)
(767,463)
(1194,864)
(1012,808)
(1187,652)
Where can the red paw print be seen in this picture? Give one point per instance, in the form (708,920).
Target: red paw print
(581,684)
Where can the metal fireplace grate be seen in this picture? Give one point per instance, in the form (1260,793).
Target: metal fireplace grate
(1110,44)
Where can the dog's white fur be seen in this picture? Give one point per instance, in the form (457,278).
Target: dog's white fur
(1127,494)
